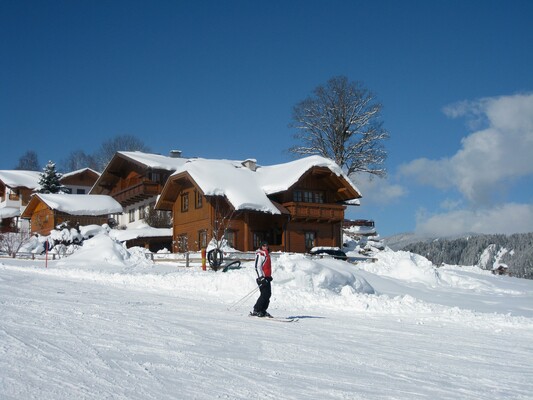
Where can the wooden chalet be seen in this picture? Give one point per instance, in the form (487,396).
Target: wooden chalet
(80,181)
(294,206)
(46,211)
(16,188)
(135,179)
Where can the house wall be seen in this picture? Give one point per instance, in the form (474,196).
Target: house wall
(324,235)
(80,183)
(188,224)
(43,219)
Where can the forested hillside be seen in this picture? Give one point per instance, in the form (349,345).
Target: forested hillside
(485,251)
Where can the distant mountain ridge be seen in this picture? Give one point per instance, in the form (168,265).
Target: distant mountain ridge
(485,251)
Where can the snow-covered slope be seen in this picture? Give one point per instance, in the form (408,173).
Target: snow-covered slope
(108,323)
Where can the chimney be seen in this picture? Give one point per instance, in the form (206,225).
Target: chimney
(250,163)
(175,154)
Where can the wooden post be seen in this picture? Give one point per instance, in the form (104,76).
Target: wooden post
(204,266)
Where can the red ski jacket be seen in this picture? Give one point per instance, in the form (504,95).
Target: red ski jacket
(263,266)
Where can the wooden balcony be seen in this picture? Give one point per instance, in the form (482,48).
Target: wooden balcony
(136,193)
(315,212)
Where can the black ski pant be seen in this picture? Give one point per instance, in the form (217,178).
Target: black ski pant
(264,298)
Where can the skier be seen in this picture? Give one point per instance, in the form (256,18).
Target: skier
(263,267)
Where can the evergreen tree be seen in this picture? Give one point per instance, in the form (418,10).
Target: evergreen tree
(50,179)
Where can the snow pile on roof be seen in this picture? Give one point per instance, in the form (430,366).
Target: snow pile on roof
(246,189)
(280,177)
(16,178)
(155,161)
(230,179)
(78,171)
(9,212)
(81,204)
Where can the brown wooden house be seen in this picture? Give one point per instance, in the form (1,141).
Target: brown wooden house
(80,181)
(46,211)
(294,206)
(16,188)
(135,179)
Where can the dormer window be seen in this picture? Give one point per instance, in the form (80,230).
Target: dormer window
(309,196)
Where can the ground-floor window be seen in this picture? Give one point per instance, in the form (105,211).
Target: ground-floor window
(259,237)
(182,243)
(230,237)
(202,239)
(310,240)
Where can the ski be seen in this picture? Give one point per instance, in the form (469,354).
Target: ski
(275,319)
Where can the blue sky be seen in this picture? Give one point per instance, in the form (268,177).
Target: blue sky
(219,79)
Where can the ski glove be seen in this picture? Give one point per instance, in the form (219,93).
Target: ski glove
(261,281)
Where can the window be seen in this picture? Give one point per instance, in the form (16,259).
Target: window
(155,177)
(230,237)
(80,191)
(202,239)
(309,196)
(259,237)
(310,240)
(185,202)
(132,215)
(198,198)
(142,212)
(182,243)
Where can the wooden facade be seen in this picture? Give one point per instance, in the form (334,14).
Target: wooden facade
(43,219)
(311,215)
(80,182)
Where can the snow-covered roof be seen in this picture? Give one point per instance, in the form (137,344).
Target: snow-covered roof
(280,177)
(79,171)
(231,179)
(9,212)
(248,189)
(19,178)
(79,204)
(155,161)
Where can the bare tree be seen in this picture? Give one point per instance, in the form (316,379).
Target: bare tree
(78,159)
(118,143)
(341,121)
(157,218)
(11,242)
(28,161)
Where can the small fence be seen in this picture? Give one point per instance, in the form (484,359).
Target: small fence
(33,256)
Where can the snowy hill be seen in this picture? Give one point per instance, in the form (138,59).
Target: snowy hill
(108,323)
(485,251)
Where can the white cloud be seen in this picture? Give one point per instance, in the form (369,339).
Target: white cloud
(506,219)
(489,158)
(378,190)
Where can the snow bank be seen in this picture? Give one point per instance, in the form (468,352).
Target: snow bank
(404,266)
(398,283)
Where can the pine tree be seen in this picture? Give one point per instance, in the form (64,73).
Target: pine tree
(50,180)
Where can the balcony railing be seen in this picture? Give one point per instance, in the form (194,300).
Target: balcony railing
(315,212)
(137,192)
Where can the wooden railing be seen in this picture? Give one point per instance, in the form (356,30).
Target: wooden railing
(315,211)
(136,192)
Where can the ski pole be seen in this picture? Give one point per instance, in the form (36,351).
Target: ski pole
(242,299)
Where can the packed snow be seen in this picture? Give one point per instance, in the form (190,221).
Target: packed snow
(107,322)
(80,204)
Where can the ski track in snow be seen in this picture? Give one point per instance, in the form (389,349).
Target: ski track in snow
(81,334)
